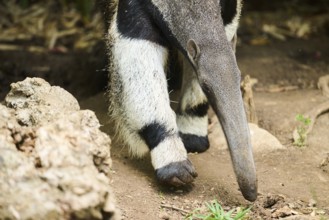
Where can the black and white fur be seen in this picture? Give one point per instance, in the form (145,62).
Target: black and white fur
(141,39)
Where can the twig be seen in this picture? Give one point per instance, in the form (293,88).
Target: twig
(175,208)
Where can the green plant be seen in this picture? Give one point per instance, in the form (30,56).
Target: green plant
(322,217)
(216,212)
(304,123)
(161,195)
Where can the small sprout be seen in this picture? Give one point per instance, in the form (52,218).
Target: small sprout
(161,195)
(216,212)
(304,123)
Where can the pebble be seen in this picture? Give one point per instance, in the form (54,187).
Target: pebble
(311,203)
(164,215)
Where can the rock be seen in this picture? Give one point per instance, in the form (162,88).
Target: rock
(261,140)
(54,160)
(271,200)
(323,84)
(77,135)
(164,215)
(36,102)
(282,212)
(312,203)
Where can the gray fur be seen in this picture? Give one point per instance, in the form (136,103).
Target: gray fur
(199,22)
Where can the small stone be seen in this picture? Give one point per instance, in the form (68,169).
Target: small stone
(282,212)
(294,212)
(17,138)
(164,215)
(311,203)
(79,190)
(270,201)
(313,213)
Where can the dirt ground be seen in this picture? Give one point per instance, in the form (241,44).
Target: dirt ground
(292,182)
(294,174)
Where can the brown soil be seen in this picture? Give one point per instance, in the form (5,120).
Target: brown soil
(290,178)
(294,181)
(293,176)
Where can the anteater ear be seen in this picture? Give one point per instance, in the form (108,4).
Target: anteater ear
(193,50)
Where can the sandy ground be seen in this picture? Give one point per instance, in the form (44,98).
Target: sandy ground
(293,172)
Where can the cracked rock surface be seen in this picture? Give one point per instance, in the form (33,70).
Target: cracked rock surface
(54,160)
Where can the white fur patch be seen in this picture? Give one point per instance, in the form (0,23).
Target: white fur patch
(144,97)
(193,94)
(168,151)
(193,125)
(231,28)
